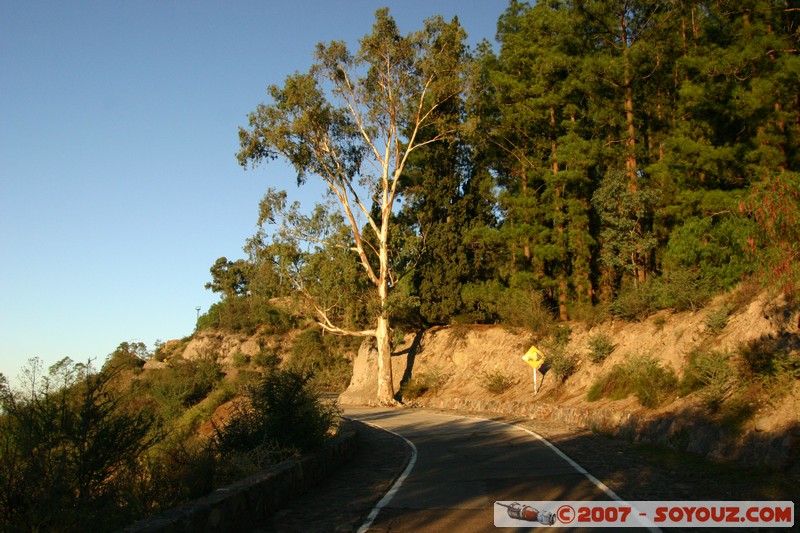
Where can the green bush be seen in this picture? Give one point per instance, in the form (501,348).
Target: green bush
(600,347)
(246,314)
(682,290)
(560,363)
(179,469)
(322,358)
(66,446)
(431,380)
(267,360)
(480,301)
(713,247)
(635,301)
(524,307)
(641,376)
(240,359)
(771,358)
(711,375)
(183,384)
(717,320)
(281,412)
(495,382)
(520,305)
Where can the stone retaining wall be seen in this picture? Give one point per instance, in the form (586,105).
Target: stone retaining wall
(248,503)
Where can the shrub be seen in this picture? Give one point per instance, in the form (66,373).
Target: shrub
(322,359)
(600,347)
(589,314)
(717,320)
(267,360)
(64,447)
(480,301)
(524,307)
(681,290)
(636,301)
(180,468)
(183,384)
(711,374)
(281,412)
(557,360)
(240,359)
(495,382)
(431,380)
(560,335)
(519,305)
(642,376)
(560,363)
(712,247)
(246,314)
(771,358)
(239,464)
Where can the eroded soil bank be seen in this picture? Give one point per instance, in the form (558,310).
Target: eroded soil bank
(458,359)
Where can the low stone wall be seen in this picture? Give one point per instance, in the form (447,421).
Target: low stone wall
(248,503)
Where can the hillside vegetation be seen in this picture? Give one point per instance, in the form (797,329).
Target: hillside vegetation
(610,170)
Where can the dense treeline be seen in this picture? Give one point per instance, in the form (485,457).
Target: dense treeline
(636,154)
(625,136)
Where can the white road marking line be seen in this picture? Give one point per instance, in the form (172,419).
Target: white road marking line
(395,487)
(393,490)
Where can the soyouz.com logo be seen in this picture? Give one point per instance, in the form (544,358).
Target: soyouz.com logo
(651,514)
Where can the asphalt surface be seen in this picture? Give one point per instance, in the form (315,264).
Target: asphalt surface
(461,465)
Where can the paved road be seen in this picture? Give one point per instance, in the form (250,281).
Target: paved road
(463,465)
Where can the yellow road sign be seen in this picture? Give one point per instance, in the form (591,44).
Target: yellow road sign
(534,357)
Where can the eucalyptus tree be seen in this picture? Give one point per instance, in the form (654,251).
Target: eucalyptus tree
(353,120)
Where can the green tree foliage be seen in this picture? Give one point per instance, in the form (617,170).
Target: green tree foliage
(353,120)
(281,412)
(714,247)
(775,206)
(67,441)
(601,152)
(127,355)
(230,278)
(246,314)
(442,205)
(622,134)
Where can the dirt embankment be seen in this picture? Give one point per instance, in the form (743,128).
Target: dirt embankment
(458,360)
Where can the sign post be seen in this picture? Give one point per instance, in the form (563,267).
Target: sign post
(535,358)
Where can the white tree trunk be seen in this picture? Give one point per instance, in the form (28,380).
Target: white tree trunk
(385,380)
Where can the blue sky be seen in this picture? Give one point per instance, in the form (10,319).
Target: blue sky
(119,185)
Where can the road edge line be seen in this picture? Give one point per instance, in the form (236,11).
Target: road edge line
(373,514)
(581,470)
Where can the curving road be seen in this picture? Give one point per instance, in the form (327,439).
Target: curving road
(462,465)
